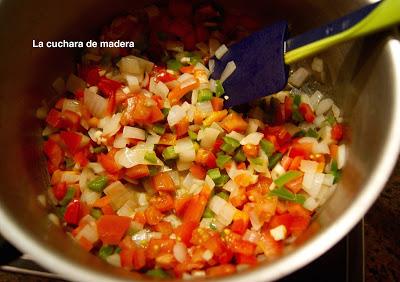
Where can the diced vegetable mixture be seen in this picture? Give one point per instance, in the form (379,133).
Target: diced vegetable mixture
(151,173)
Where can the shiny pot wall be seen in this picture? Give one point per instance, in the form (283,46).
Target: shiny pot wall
(365,76)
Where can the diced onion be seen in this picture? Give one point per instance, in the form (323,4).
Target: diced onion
(96,104)
(210,183)
(216,204)
(320,148)
(235,135)
(229,69)
(175,115)
(299,77)
(209,138)
(312,183)
(308,166)
(114,260)
(133,82)
(221,51)
(110,125)
(253,138)
(225,216)
(311,204)
(133,132)
(70,177)
(279,232)
(315,98)
(71,105)
(184,147)
(324,106)
(317,64)
(95,167)
(341,156)
(180,252)
(134,156)
(205,108)
(277,171)
(120,141)
(230,186)
(251,236)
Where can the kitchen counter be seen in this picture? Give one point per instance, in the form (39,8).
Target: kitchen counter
(382,233)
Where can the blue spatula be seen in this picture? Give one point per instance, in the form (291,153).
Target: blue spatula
(262,58)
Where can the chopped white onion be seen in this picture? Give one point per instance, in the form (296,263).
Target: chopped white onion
(315,98)
(235,135)
(216,204)
(210,183)
(96,104)
(317,64)
(205,108)
(277,171)
(221,51)
(110,125)
(180,252)
(252,139)
(185,149)
(311,204)
(69,177)
(120,141)
(114,260)
(312,183)
(71,105)
(320,148)
(129,157)
(175,115)
(324,106)
(229,69)
(341,156)
(185,76)
(251,236)
(225,216)
(210,135)
(299,77)
(308,166)
(95,167)
(279,232)
(230,186)
(133,132)
(133,83)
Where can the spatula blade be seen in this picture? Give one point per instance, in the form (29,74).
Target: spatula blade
(260,68)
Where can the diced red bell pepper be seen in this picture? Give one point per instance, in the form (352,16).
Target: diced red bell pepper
(90,74)
(240,225)
(246,259)
(164,202)
(53,152)
(126,256)
(217,145)
(139,258)
(108,162)
(72,140)
(59,190)
(307,112)
(153,215)
(137,171)
(108,86)
(198,171)
(112,228)
(81,157)
(337,132)
(163,182)
(72,213)
(54,118)
(206,158)
(162,75)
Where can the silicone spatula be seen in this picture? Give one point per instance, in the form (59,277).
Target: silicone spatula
(262,58)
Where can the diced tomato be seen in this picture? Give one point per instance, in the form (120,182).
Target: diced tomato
(187,69)
(108,86)
(279,113)
(198,171)
(177,93)
(221,270)
(81,157)
(162,75)
(297,210)
(90,74)
(59,190)
(301,149)
(139,258)
(240,225)
(153,215)
(168,139)
(217,145)
(156,115)
(126,256)
(337,132)
(307,112)
(72,140)
(181,204)
(234,122)
(54,118)
(163,202)
(286,162)
(237,245)
(182,127)
(250,150)
(158,247)
(295,185)
(108,162)
(112,228)
(164,227)
(206,158)
(107,210)
(163,182)
(72,212)
(294,224)
(217,103)
(272,249)
(53,152)
(137,171)
(140,217)
(59,104)
(246,259)
(159,100)
(295,164)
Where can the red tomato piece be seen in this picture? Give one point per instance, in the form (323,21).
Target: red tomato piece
(72,212)
(54,118)
(53,152)
(153,215)
(307,112)
(72,140)
(337,132)
(163,182)
(198,171)
(246,259)
(137,171)
(206,158)
(112,228)
(163,202)
(108,162)
(59,190)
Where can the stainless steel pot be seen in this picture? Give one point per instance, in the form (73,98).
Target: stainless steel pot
(366,84)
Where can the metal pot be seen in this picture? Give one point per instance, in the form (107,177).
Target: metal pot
(365,79)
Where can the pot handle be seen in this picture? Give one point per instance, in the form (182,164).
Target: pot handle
(8,252)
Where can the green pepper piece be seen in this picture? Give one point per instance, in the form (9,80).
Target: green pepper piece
(154,169)
(105,251)
(69,195)
(267,146)
(165,111)
(297,100)
(213,226)
(157,273)
(117,250)
(330,119)
(285,194)
(220,181)
(300,133)
(311,133)
(174,65)
(204,95)
(296,115)
(219,89)
(208,213)
(224,195)
(231,141)
(159,129)
(98,184)
(287,177)
(214,173)
(151,157)
(169,153)
(256,161)
(239,156)
(227,148)
(274,159)
(192,135)
(100,149)
(96,213)
(222,160)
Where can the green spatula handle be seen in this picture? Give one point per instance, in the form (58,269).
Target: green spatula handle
(383,15)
